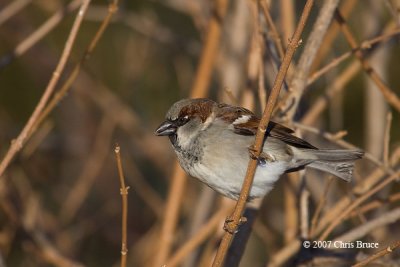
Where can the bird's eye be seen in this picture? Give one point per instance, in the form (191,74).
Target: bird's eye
(182,120)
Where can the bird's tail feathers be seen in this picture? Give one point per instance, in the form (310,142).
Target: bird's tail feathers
(336,161)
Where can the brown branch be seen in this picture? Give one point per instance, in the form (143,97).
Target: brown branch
(367,184)
(40,33)
(11,9)
(149,196)
(376,204)
(336,87)
(388,93)
(291,206)
(49,252)
(355,204)
(126,118)
(378,255)
(320,205)
(360,231)
(386,141)
(304,214)
(347,8)
(97,156)
(336,138)
(59,95)
(19,142)
(287,19)
(199,89)
(299,81)
(291,248)
(170,219)
(124,194)
(236,216)
(257,50)
(274,32)
(364,46)
(209,52)
(285,253)
(201,235)
(30,220)
(205,205)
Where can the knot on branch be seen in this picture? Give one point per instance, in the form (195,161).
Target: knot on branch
(231,226)
(112,8)
(124,191)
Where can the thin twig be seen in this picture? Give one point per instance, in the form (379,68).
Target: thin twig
(274,32)
(59,95)
(142,188)
(199,89)
(40,33)
(208,55)
(19,142)
(299,81)
(29,220)
(347,8)
(201,235)
(11,9)
(170,218)
(124,194)
(126,118)
(366,45)
(388,93)
(376,204)
(320,205)
(285,253)
(262,93)
(355,204)
(394,8)
(359,232)
(378,255)
(336,138)
(287,16)
(304,214)
(92,167)
(337,86)
(248,180)
(367,184)
(386,141)
(291,206)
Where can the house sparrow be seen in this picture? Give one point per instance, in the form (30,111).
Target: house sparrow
(212,142)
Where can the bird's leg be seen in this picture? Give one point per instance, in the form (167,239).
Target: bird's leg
(231,227)
(262,158)
(252,153)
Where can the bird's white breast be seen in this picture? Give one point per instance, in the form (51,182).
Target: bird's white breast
(224,163)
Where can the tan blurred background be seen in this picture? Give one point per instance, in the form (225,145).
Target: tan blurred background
(59,198)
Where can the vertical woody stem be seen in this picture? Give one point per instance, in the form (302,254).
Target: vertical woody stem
(236,216)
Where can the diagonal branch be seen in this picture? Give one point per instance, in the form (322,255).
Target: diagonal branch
(19,142)
(236,216)
(299,81)
(389,95)
(199,89)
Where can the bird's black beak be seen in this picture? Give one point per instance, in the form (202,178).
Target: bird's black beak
(166,128)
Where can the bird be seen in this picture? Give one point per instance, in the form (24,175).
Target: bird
(213,142)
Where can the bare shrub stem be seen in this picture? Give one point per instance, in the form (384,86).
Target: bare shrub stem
(236,216)
(19,142)
(124,195)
